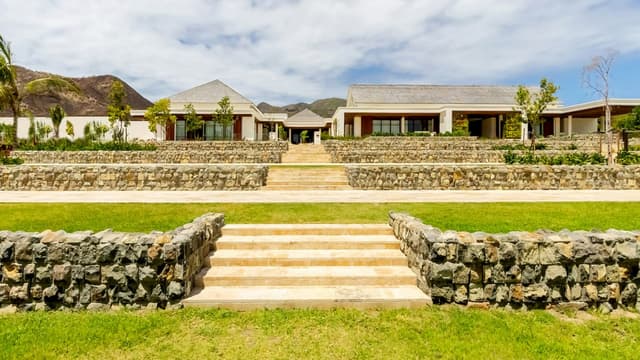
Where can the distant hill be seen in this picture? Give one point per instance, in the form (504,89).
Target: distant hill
(92,101)
(322,107)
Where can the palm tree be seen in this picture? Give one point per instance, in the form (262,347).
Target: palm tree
(12,94)
(57,114)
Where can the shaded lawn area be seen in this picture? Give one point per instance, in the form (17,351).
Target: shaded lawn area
(488,217)
(443,333)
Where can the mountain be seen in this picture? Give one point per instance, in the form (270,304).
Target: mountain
(91,101)
(322,107)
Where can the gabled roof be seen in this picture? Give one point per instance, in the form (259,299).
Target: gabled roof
(306,118)
(210,92)
(432,94)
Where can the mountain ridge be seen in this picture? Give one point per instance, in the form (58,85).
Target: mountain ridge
(91,101)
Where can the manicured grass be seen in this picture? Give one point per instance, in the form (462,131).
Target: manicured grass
(491,217)
(442,333)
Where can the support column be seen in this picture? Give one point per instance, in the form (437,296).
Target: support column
(500,120)
(556,126)
(446,121)
(357,126)
(403,125)
(570,125)
(524,132)
(289,135)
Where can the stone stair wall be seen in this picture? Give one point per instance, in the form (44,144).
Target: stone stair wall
(576,269)
(85,270)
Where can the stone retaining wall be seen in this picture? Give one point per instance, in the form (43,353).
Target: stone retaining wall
(428,156)
(259,146)
(492,177)
(584,143)
(132,177)
(522,269)
(149,157)
(57,270)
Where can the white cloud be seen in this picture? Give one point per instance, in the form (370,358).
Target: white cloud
(283,51)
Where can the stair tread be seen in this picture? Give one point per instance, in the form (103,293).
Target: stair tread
(307,253)
(307,238)
(309,271)
(306,226)
(264,294)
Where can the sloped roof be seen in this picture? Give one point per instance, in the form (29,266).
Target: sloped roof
(210,92)
(306,118)
(432,94)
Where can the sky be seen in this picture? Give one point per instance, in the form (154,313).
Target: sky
(285,51)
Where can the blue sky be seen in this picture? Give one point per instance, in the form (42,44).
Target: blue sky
(284,51)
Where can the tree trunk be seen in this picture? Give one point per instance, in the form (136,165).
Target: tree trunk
(607,121)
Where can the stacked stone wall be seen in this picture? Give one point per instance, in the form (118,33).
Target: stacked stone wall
(577,269)
(260,146)
(150,157)
(132,177)
(492,177)
(85,270)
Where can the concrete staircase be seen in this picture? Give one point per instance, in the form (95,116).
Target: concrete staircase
(307,178)
(307,266)
(305,154)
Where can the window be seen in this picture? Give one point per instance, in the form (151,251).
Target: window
(181,131)
(384,126)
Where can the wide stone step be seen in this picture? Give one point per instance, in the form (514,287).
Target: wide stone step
(259,297)
(305,187)
(372,257)
(307,229)
(263,242)
(312,275)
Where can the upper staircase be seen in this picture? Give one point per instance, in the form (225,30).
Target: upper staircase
(301,266)
(305,154)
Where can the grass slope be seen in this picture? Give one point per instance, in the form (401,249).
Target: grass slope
(492,217)
(442,333)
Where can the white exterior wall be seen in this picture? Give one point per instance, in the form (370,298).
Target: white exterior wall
(248,128)
(137,130)
(585,125)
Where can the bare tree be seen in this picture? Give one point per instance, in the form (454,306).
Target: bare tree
(596,77)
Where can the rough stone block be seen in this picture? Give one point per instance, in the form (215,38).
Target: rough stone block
(442,272)
(598,273)
(442,293)
(461,274)
(629,295)
(62,273)
(536,293)
(507,253)
(531,274)
(555,274)
(12,273)
(461,295)
(613,274)
(471,253)
(590,293)
(6,251)
(92,274)
(502,294)
(475,274)
(549,254)
(23,251)
(529,253)
(476,293)
(516,293)
(626,252)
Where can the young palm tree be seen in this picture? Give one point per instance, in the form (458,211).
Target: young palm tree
(57,114)
(12,94)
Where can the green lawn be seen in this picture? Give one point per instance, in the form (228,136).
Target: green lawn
(492,217)
(440,333)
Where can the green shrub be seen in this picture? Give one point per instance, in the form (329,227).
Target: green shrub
(530,158)
(84,145)
(628,158)
(9,160)
(539,146)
